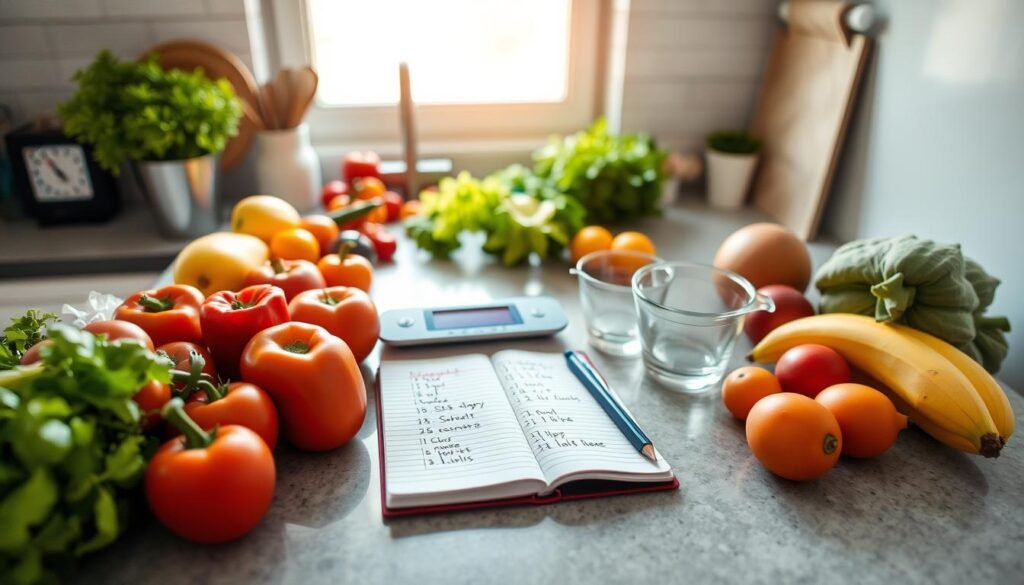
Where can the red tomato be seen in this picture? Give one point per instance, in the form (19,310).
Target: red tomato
(810,368)
(332,190)
(114,330)
(393,203)
(790,305)
(151,398)
(360,164)
(31,355)
(291,276)
(238,403)
(384,243)
(208,487)
(346,312)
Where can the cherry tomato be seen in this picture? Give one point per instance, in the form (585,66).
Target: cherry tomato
(352,270)
(323,229)
(384,243)
(114,330)
(295,244)
(332,190)
(810,368)
(208,487)
(368,188)
(794,436)
(339,202)
(744,387)
(151,399)
(393,202)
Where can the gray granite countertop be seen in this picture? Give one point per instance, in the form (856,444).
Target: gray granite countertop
(922,513)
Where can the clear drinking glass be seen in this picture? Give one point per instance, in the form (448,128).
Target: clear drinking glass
(607,299)
(689,316)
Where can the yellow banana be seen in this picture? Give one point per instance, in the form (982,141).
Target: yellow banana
(932,388)
(988,388)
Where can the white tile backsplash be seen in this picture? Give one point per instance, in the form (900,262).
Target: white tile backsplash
(226,7)
(49,9)
(28,73)
(125,39)
(40,103)
(229,33)
(697,62)
(147,8)
(22,41)
(659,31)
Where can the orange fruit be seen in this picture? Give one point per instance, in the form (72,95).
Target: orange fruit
(743,387)
(323,229)
(794,436)
(295,244)
(368,187)
(410,209)
(867,418)
(592,238)
(634,241)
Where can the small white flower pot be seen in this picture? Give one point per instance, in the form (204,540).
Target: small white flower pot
(729,177)
(288,167)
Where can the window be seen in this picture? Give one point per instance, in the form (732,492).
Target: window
(479,69)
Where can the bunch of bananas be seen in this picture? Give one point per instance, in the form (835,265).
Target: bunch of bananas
(947,394)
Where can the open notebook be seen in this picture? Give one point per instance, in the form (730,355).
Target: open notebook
(472,431)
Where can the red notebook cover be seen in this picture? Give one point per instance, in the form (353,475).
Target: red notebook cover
(577,490)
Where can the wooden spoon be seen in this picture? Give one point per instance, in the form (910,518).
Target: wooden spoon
(305,82)
(269,110)
(283,96)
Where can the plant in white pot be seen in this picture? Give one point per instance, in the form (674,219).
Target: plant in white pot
(732,159)
(171,125)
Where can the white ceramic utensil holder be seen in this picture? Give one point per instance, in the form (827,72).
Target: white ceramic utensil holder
(729,177)
(288,167)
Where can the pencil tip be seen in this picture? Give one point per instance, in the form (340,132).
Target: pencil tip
(648,452)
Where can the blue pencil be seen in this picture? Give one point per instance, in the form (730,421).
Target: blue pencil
(595,384)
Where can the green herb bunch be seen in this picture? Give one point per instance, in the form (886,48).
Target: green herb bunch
(71,449)
(615,177)
(138,111)
(516,223)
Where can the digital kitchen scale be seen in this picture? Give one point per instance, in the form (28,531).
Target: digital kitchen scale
(501,319)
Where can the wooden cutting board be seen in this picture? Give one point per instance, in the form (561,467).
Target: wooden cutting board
(803,110)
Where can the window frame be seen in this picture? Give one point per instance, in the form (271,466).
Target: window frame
(460,123)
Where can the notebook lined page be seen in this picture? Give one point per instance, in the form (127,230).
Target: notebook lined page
(448,426)
(567,429)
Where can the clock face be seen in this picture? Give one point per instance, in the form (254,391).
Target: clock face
(58,172)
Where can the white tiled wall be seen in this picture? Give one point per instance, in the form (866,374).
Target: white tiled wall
(43,42)
(693,66)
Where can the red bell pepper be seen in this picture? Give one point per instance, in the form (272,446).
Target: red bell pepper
(292,276)
(169,313)
(230,319)
(314,381)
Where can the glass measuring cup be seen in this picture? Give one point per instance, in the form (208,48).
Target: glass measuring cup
(689,316)
(607,299)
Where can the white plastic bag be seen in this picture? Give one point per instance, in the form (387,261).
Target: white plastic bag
(100,307)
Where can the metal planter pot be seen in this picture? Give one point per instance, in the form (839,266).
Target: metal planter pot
(182,194)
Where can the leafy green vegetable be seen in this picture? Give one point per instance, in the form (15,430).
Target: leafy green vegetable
(71,449)
(138,111)
(21,334)
(616,178)
(733,142)
(516,224)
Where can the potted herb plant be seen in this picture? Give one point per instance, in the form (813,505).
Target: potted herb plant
(170,125)
(732,158)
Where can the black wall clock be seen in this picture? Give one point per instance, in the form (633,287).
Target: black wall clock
(57,180)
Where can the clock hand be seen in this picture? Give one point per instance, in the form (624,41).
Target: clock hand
(53,166)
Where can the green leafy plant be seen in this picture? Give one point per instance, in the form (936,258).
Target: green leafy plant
(21,334)
(615,177)
(516,223)
(138,111)
(733,142)
(71,449)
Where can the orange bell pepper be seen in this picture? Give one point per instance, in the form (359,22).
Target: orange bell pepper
(313,379)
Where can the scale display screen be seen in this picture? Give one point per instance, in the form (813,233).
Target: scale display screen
(476,317)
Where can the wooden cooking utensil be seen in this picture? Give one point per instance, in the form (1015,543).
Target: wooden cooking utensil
(305,82)
(269,106)
(218,63)
(283,96)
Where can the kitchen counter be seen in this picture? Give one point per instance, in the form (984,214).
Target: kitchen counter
(922,513)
